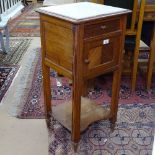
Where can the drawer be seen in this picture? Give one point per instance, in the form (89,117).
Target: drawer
(92,30)
(149,16)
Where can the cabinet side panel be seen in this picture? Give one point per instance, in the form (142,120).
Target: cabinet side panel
(58,44)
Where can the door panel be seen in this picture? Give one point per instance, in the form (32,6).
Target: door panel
(101,54)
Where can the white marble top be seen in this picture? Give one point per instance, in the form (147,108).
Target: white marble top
(82,10)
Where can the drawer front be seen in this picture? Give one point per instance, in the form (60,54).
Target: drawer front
(101,28)
(59,45)
(101,55)
(149,16)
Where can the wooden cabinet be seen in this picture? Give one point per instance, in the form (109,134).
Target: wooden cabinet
(82,45)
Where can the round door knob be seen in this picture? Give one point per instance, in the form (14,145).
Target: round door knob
(87,61)
(103,27)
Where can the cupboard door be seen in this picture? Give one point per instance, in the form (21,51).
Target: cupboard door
(101,55)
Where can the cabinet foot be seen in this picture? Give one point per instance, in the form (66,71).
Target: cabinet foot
(112,124)
(112,127)
(75,146)
(49,122)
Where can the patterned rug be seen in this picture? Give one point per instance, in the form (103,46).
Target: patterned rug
(18,47)
(27,24)
(6,76)
(133,134)
(33,107)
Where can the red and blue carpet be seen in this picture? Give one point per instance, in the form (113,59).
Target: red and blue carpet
(18,47)
(27,24)
(6,76)
(33,104)
(134,132)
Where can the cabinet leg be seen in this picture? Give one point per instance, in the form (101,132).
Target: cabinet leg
(47,94)
(115,97)
(76,110)
(75,146)
(49,122)
(85,88)
(112,126)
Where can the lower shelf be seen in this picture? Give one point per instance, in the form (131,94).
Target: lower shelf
(90,113)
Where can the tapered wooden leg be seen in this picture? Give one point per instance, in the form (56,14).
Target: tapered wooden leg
(75,146)
(85,88)
(47,93)
(151,61)
(76,112)
(134,70)
(77,84)
(115,97)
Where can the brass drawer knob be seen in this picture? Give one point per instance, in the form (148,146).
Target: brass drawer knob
(103,27)
(87,61)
